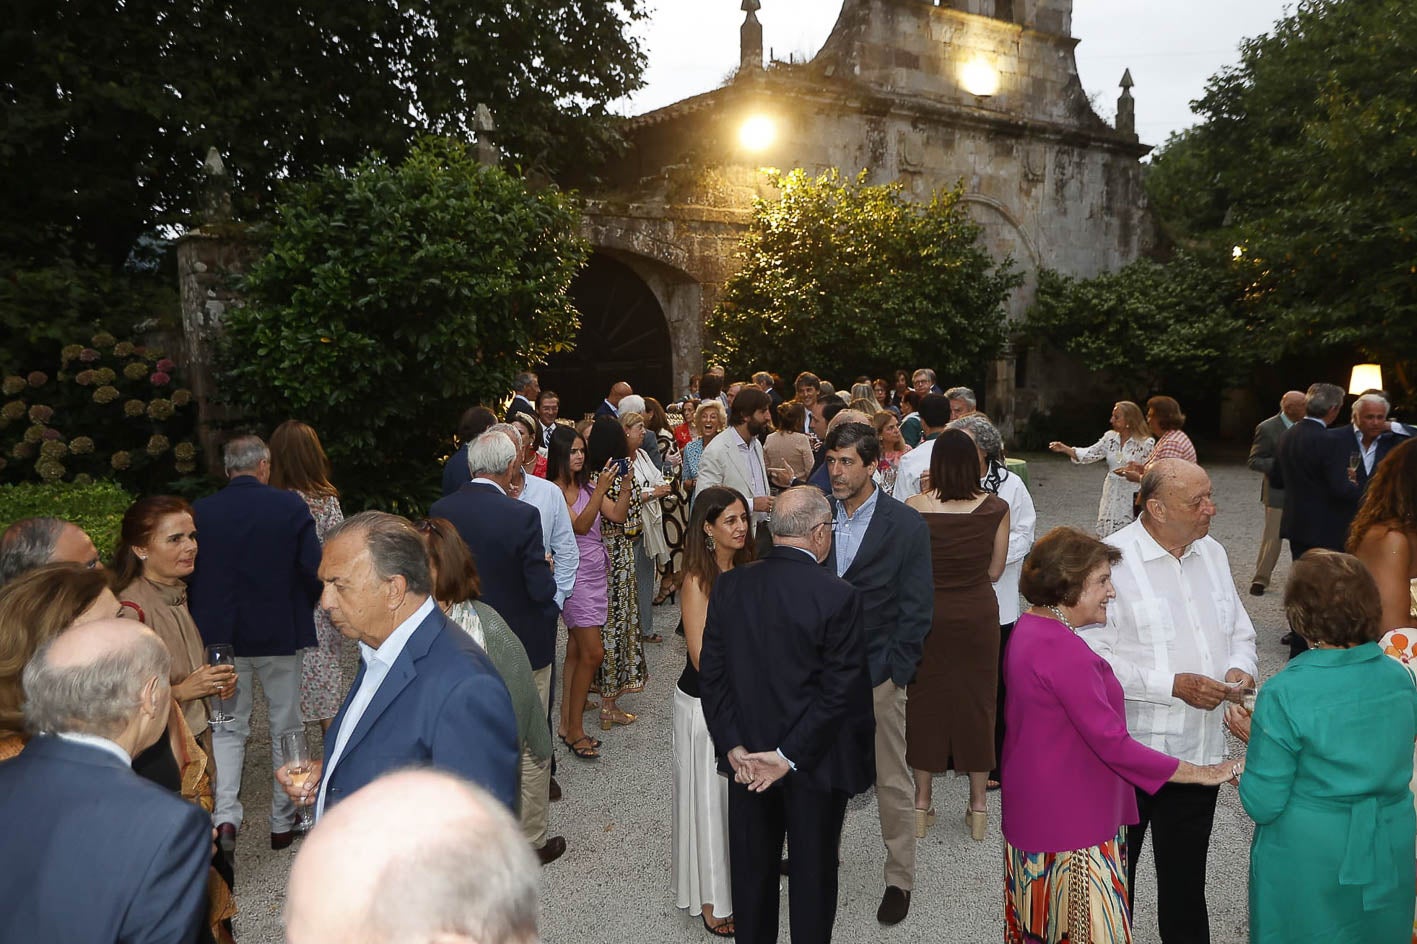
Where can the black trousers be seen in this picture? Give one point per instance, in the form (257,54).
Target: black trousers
(757,822)
(1005,631)
(1180,817)
(1297,643)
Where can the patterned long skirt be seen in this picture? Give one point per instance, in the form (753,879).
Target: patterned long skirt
(623,669)
(1077,897)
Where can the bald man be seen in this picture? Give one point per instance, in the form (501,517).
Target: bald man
(610,406)
(1262,459)
(93,852)
(416,856)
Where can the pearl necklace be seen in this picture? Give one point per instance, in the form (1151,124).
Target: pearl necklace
(1058,615)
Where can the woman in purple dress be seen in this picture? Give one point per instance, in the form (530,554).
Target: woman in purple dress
(585,609)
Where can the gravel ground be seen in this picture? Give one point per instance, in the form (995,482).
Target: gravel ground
(612,885)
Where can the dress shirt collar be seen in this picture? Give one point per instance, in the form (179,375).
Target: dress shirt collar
(864,511)
(390,649)
(1151,550)
(489,482)
(1286,421)
(1318,420)
(746,444)
(102,743)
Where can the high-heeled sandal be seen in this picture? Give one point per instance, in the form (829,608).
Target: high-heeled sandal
(978,823)
(723,929)
(608,719)
(924,819)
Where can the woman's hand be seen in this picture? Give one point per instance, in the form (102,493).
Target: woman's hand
(1237,722)
(1208,775)
(660,491)
(207,681)
(1060,447)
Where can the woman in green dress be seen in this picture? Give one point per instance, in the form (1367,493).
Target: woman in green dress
(1326,777)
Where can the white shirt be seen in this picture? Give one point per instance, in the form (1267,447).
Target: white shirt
(912,465)
(1173,616)
(1022,519)
(557,535)
(93,740)
(377,663)
(1368,452)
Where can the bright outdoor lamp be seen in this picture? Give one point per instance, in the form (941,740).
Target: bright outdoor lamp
(979,78)
(1365,377)
(757,133)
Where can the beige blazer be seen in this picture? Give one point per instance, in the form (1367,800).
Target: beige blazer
(723,463)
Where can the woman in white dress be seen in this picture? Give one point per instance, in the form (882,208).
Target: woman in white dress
(1129,440)
(716,542)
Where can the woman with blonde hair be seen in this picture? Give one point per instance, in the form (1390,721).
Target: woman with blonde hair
(1128,441)
(299,464)
(863,398)
(710,419)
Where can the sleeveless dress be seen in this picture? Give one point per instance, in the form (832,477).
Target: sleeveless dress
(586,604)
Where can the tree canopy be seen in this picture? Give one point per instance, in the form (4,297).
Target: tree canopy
(844,278)
(393,297)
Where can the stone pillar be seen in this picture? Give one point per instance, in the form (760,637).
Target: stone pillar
(999,392)
(1127,107)
(750,38)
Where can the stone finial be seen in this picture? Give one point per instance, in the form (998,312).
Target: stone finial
(488,153)
(1127,106)
(750,38)
(216,191)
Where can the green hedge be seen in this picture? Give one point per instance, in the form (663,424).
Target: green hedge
(97,508)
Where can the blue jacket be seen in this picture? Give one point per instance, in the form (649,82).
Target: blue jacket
(256,582)
(95,853)
(504,536)
(455,473)
(442,705)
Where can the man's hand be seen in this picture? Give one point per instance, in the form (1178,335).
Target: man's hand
(1199,691)
(762,770)
(763,503)
(738,759)
(305,793)
(782,478)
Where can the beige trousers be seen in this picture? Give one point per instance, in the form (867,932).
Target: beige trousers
(1270,545)
(536,775)
(895,786)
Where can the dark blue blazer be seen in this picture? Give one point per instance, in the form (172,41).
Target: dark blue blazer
(1387,442)
(94,853)
(1311,465)
(442,705)
(256,582)
(783,667)
(455,473)
(504,536)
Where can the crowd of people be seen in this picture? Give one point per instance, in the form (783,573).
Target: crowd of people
(864,604)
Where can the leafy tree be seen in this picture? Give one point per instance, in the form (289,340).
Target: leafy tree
(1151,326)
(393,297)
(844,278)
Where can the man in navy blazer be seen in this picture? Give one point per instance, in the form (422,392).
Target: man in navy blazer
(254,587)
(787,697)
(92,851)
(1370,436)
(426,694)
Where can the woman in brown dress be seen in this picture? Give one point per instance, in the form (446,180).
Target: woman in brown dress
(950,707)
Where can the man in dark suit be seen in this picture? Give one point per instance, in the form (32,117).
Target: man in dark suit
(610,406)
(1262,458)
(787,698)
(93,852)
(1370,436)
(425,694)
(882,548)
(474,422)
(254,587)
(525,387)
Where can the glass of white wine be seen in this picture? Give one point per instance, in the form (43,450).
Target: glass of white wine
(295,748)
(221,708)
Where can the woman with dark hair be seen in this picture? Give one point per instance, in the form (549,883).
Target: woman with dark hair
(1384,535)
(299,464)
(1164,416)
(787,447)
(881,389)
(1073,771)
(716,542)
(585,609)
(950,706)
(622,669)
(1334,852)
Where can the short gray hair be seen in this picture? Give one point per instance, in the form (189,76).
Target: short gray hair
(630,403)
(1321,399)
(522,381)
(99,697)
(395,547)
(1373,396)
(477,878)
(986,435)
(924,372)
(798,510)
(492,453)
(243,454)
(962,393)
(27,544)
(515,430)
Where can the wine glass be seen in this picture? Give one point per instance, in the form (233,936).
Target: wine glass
(295,748)
(1354,460)
(221,654)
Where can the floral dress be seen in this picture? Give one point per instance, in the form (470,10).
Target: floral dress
(321,681)
(623,669)
(1114,512)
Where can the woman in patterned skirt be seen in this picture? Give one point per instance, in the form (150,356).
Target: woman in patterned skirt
(299,463)
(622,670)
(1073,769)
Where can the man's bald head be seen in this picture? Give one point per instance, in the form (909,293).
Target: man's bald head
(619,391)
(1167,475)
(1178,502)
(848,416)
(415,856)
(1292,405)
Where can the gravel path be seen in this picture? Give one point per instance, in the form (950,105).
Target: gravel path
(613,883)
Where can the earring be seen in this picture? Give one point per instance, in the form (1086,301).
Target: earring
(712,544)
(142,557)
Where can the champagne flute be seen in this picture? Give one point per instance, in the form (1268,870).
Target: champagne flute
(1354,458)
(220,654)
(295,748)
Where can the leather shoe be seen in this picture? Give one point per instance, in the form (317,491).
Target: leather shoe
(1256,589)
(226,838)
(555,848)
(555,793)
(282,840)
(895,905)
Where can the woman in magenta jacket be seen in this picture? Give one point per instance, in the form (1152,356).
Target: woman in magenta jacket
(1072,765)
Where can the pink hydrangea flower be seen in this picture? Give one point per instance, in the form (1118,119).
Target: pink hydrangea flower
(160,379)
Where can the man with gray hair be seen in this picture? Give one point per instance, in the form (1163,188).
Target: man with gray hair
(32,542)
(1312,467)
(1370,435)
(254,588)
(93,852)
(425,695)
(417,855)
(525,387)
(962,401)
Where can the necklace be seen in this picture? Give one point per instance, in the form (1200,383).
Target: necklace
(1058,615)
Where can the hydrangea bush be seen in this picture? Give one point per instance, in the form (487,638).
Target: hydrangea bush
(111,410)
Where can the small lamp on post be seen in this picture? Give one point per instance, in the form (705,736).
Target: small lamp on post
(1365,377)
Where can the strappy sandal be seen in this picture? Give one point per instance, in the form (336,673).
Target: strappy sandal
(594,742)
(723,929)
(652,637)
(608,719)
(588,752)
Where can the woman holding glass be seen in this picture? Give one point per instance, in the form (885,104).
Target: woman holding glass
(622,669)
(1129,440)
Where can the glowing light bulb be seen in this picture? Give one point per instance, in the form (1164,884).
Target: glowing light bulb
(979,78)
(757,133)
